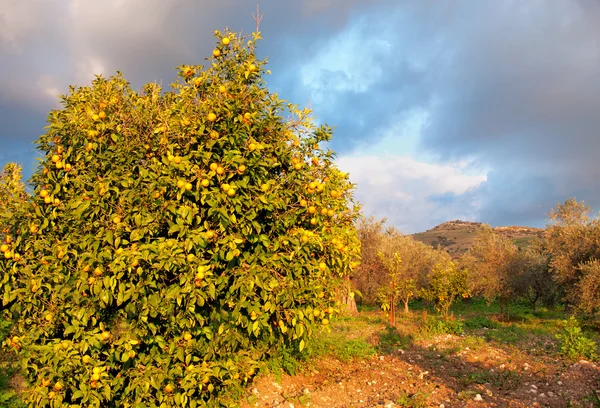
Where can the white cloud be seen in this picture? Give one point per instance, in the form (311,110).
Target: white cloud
(404,190)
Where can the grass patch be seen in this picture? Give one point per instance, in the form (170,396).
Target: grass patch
(391,339)
(413,400)
(346,341)
(480,322)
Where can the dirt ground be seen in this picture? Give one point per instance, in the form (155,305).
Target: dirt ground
(437,372)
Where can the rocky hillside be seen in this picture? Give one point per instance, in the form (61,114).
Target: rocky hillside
(457,236)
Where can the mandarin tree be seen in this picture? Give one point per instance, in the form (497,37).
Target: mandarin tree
(175,239)
(446,283)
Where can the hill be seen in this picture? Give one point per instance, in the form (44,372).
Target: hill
(457,236)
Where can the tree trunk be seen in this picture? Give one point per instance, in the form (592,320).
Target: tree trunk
(392,306)
(351,305)
(405,306)
(350,300)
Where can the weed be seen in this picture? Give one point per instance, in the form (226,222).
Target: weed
(594,398)
(416,400)
(434,326)
(574,344)
(480,322)
(479,377)
(391,339)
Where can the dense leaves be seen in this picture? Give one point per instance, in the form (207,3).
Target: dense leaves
(174,239)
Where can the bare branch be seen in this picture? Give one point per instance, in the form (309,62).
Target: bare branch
(258,17)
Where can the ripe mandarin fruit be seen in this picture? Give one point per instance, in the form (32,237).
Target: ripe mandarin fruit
(214,166)
(211,117)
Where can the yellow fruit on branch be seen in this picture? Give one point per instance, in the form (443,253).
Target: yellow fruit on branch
(211,117)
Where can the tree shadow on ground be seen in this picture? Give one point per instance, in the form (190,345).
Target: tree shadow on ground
(459,376)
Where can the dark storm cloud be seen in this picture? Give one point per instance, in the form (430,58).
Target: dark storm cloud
(509,85)
(47,45)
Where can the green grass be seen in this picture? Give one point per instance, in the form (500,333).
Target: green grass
(346,341)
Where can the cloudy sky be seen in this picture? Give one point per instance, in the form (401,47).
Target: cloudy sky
(443,109)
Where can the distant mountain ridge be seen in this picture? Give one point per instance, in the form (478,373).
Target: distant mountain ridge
(457,236)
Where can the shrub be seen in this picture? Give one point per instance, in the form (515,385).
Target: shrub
(175,239)
(573,343)
(480,322)
(435,326)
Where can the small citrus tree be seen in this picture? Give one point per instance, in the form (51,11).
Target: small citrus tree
(174,239)
(446,284)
